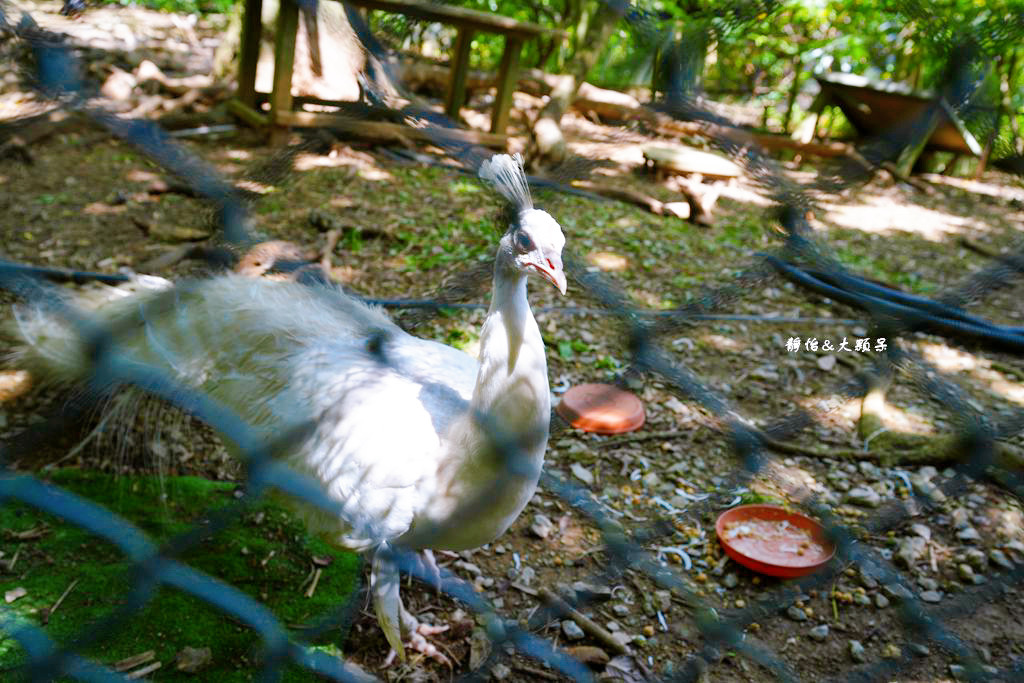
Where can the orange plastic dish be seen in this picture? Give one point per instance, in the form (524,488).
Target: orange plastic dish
(772,540)
(602,409)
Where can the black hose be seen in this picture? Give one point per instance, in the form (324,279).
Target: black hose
(913,318)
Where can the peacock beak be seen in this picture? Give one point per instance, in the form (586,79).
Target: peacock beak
(550,268)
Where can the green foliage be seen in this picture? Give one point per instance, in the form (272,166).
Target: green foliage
(266,554)
(568,349)
(180,6)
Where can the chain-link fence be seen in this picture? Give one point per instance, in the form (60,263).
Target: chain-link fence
(801,258)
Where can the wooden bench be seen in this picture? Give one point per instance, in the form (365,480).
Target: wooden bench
(467,22)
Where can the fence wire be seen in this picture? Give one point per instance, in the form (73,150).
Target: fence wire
(801,258)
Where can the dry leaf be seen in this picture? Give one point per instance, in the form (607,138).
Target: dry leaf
(589,655)
(192,659)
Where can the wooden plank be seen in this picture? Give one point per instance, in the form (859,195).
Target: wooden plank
(508,74)
(384,131)
(460,69)
(284,58)
(459,16)
(249,53)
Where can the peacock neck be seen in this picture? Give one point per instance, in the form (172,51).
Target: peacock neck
(510,309)
(512,382)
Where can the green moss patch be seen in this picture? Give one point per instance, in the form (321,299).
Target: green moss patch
(265,553)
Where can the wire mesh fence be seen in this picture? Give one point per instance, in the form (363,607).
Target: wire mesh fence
(801,258)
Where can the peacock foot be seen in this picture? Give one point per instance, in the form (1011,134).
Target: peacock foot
(415,635)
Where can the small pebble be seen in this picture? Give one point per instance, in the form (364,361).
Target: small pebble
(542,526)
(928,583)
(976,559)
(910,550)
(620,610)
(864,497)
(1000,559)
(571,630)
(919,649)
(857,652)
(819,633)
(958,672)
(730,580)
(965,572)
(931,596)
(867,580)
(500,672)
(968,535)
(881,602)
(891,651)
(796,614)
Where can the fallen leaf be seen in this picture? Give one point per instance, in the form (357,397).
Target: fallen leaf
(588,654)
(192,659)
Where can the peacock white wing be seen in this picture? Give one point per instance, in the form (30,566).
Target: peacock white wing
(281,355)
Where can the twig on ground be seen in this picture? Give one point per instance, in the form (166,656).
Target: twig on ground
(47,612)
(589,626)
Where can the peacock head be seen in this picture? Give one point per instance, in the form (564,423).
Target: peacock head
(534,241)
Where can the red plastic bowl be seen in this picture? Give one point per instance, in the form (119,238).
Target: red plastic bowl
(772,540)
(602,409)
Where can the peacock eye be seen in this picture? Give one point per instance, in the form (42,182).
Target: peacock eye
(524,242)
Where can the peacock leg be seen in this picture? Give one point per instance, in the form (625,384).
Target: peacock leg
(397,622)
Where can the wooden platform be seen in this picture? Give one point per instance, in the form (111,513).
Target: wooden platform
(467,22)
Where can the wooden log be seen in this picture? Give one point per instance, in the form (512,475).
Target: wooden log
(686,160)
(655,206)
(28,132)
(383,131)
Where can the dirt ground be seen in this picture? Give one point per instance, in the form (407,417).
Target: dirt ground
(88,201)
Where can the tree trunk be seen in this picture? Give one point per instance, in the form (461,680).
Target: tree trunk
(596,29)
